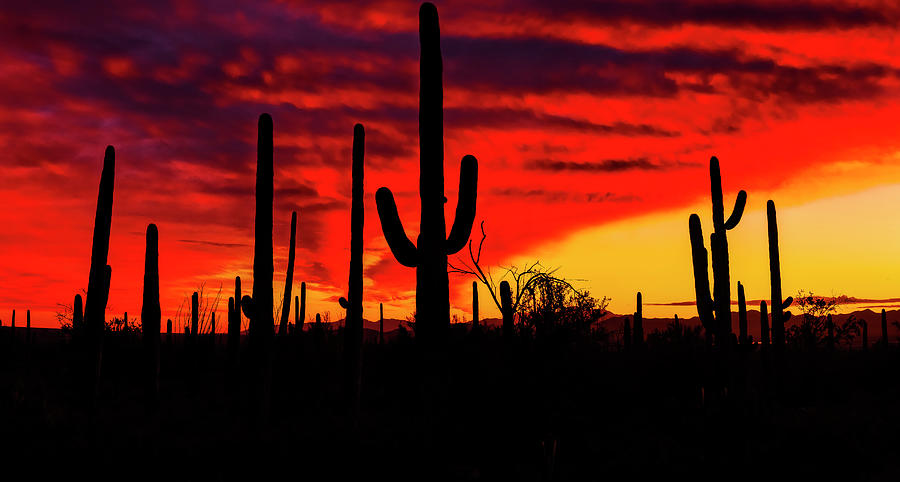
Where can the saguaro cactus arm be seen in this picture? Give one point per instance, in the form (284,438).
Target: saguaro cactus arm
(738,211)
(403,249)
(465,205)
(701,273)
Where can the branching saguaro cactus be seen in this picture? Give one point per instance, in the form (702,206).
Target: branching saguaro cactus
(429,255)
(715,312)
(638,334)
(779,316)
(151,317)
(98,280)
(289,279)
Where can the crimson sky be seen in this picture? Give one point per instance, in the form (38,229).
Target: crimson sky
(580,113)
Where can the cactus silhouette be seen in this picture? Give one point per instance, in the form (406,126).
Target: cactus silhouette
(301,313)
(381,323)
(12,328)
(195,314)
(638,327)
(169,331)
(100,273)
(151,316)
(742,316)
(764,323)
(289,278)
(27,326)
(779,316)
(77,315)
(353,323)
(715,311)
(233,339)
(429,254)
(474,305)
(506,309)
(884,334)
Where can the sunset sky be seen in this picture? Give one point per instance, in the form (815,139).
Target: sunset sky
(593,124)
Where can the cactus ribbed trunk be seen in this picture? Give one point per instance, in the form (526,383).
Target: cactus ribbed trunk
(289,278)
(764,323)
(638,335)
(98,280)
(434,245)
(474,305)
(151,316)
(506,309)
(742,316)
(262,323)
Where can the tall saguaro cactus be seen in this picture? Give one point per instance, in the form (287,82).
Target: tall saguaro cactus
(289,279)
(429,255)
(779,316)
(151,315)
(98,280)
(353,323)
(715,311)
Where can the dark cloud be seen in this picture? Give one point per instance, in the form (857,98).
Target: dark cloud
(550,196)
(607,165)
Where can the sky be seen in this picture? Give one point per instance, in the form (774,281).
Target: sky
(593,124)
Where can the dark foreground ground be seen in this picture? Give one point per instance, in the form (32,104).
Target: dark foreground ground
(476,409)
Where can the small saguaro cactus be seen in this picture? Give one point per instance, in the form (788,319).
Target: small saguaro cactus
(27,326)
(779,316)
(884,333)
(169,331)
(506,309)
(289,278)
(195,314)
(77,314)
(742,316)
(212,325)
(381,323)
(715,311)
(429,254)
(638,335)
(764,323)
(151,316)
(12,328)
(301,314)
(474,305)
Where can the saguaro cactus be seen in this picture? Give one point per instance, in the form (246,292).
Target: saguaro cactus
(506,309)
(301,316)
(289,278)
(764,323)
(27,327)
(884,334)
(429,255)
(474,305)
(169,331)
(98,280)
(638,335)
(151,316)
(353,323)
(779,316)
(381,323)
(195,314)
(715,312)
(77,315)
(742,315)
